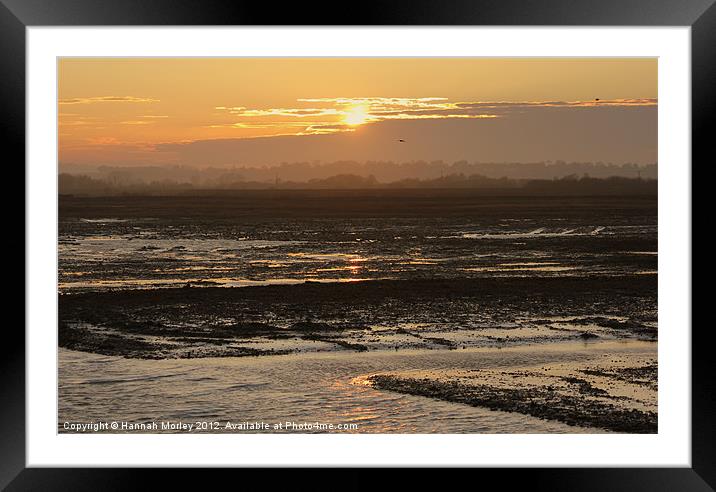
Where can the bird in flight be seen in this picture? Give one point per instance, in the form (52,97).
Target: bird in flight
(401,140)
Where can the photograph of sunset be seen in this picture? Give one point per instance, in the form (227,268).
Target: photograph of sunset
(357,245)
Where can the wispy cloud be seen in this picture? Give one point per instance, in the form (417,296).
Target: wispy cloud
(290,112)
(106,99)
(594,103)
(386,102)
(332,115)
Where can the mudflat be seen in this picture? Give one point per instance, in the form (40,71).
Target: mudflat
(375,315)
(282,275)
(611,392)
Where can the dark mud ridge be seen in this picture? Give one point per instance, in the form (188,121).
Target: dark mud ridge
(187,346)
(360,316)
(539,402)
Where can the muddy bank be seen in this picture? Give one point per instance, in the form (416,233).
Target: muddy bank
(377,315)
(615,394)
(242,239)
(354,203)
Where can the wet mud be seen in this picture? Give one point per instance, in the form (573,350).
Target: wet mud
(615,395)
(361,316)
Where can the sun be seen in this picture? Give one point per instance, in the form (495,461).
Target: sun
(356,115)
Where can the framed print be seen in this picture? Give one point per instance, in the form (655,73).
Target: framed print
(431,236)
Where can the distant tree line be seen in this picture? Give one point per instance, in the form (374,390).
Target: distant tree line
(382,171)
(70,184)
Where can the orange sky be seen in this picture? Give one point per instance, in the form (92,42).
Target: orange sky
(150,110)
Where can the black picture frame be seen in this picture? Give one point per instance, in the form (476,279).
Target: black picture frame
(700,15)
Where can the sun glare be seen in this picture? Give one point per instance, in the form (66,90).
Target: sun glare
(357,115)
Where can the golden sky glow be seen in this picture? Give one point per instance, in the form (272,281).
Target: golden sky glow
(127,110)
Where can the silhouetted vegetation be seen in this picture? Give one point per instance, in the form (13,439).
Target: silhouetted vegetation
(82,185)
(382,171)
